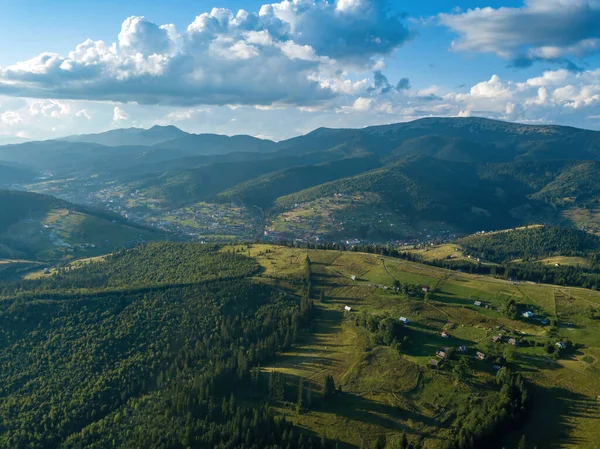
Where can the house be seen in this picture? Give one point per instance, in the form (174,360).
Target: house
(528,314)
(434,363)
(561,344)
(353,277)
(348,308)
(497,338)
(512,341)
(425,288)
(404,320)
(445,334)
(480,355)
(462,349)
(477,303)
(442,354)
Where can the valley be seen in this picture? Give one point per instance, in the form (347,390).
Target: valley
(380,184)
(432,285)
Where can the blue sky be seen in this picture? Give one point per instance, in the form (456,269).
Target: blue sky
(72,66)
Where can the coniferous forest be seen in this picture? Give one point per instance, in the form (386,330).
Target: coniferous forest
(157,347)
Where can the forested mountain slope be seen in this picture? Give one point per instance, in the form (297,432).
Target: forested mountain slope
(41,227)
(531,243)
(147,349)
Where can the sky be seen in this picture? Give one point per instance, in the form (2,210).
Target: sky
(277,70)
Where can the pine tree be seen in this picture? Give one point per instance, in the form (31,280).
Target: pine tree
(300,403)
(328,387)
(522,443)
(404,441)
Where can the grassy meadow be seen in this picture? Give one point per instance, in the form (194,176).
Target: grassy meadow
(387,392)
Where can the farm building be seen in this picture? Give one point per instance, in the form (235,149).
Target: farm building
(442,354)
(477,303)
(348,308)
(528,314)
(561,344)
(512,341)
(497,338)
(425,288)
(480,355)
(445,334)
(434,363)
(404,320)
(353,277)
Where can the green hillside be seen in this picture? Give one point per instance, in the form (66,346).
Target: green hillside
(264,190)
(426,188)
(89,361)
(537,242)
(44,228)
(10,174)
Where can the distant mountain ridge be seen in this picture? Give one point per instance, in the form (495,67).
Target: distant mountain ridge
(461,173)
(129,136)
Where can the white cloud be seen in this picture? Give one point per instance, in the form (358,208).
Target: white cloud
(283,54)
(11,118)
(83,113)
(552,30)
(139,36)
(49,108)
(119,114)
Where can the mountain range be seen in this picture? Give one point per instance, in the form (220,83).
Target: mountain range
(458,173)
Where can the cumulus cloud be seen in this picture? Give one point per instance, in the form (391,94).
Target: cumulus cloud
(382,85)
(549,30)
(295,52)
(119,114)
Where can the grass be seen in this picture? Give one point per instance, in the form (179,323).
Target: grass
(567,261)
(386,392)
(60,235)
